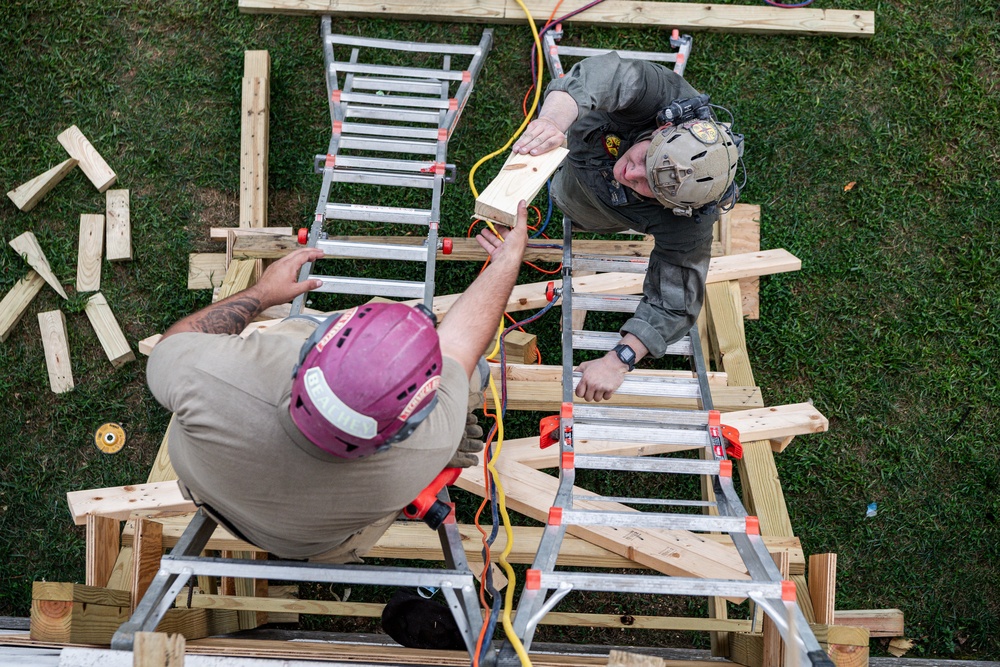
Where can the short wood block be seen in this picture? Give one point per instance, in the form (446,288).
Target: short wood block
(521,177)
(52,325)
(520,347)
(27,195)
(146,345)
(103,546)
(88,266)
(147,548)
(27,246)
(75,613)
(823,586)
(91,162)
(107,330)
(16,302)
(118,226)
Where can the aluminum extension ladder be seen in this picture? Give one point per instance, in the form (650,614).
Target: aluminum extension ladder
(390,128)
(553,51)
(375,109)
(545,586)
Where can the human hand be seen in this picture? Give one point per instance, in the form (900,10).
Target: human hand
(601,377)
(470,446)
(542,135)
(511,241)
(279,283)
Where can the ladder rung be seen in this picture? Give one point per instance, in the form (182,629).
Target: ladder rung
(370,287)
(396,45)
(625,432)
(379,164)
(399,146)
(358,249)
(582,412)
(384,132)
(412,216)
(396,85)
(645,501)
(610,264)
(606,340)
(401,115)
(661,585)
(640,385)
(646,464)
(384,178)
(617,303)
(583,52)
(395,101)
(397,71)
(694,522)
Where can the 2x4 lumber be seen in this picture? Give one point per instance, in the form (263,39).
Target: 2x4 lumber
(206,270)
(75,613)
(103,546)
(743,235)
(242,587)
(16,301)
(683,16)
(878,622)
(88,265)
(254,134)
(846,646)
(773,652)
(158,649)
(549,373)
(239,276)
(27,246)
(108,332)
(673,552)
(90,161)
(823,586)
(147,547)
(27,195)
(118,229)
(520,177)
(52,325)
(120,501)
(146,345)
(520,347)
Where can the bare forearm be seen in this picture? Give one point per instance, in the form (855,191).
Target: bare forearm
(559,108)
(229,316)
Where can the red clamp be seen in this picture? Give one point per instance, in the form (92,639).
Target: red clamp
(426,506)
(732,438)
(548,430)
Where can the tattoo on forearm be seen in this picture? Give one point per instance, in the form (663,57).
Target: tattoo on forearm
(227,317)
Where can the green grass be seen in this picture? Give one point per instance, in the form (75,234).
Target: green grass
(890,327)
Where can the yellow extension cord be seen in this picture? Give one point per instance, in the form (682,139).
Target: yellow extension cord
(501,498)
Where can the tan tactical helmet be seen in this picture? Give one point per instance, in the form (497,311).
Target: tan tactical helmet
(691,164)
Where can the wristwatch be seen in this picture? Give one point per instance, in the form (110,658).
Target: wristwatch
(626,355)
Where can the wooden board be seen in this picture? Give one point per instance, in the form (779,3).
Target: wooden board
(74,613)
(254,138)
(668,15)
(120,501)
(146,345)
(27,246)
(158,649)
(88,266)
(108,332)
(16,301)
(27,195)
(878,622)
(743,235)
(118,229)
(90,161)
(103,545)
(521,177)
(823,586)
(147,547)
(206,270)
(52,325)
(239,276)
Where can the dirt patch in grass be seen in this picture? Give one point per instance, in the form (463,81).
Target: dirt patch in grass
(215,208)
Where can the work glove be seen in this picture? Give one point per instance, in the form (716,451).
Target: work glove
(471,444)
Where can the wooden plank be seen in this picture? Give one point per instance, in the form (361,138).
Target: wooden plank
(118,230)
(547,396)
(147,548)
(239,276)
(162,470)
(878,622)
(52,325)
(222,233)
(121,575)
(146,345)
(199,623)
(75,622)
(206,270)
(241,587)
(27,246)
(823,586)
(254,138)
(108,332)
(90,161)
(27,195)
(158,649)
(681,15)
(16,302)
(103,546)
(88,265)
(120,501)
(550,373)
(520,177)
(743,235)
(773,652)
(69,592)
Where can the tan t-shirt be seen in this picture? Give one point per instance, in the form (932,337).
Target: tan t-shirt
(235,445)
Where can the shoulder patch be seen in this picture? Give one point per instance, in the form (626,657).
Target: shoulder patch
(704,132)
(612,144)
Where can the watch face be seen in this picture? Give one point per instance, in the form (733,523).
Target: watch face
(626,354)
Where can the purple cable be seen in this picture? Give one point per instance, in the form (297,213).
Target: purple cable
(788,6)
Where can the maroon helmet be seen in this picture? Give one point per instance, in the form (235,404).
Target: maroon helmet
(366,379)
